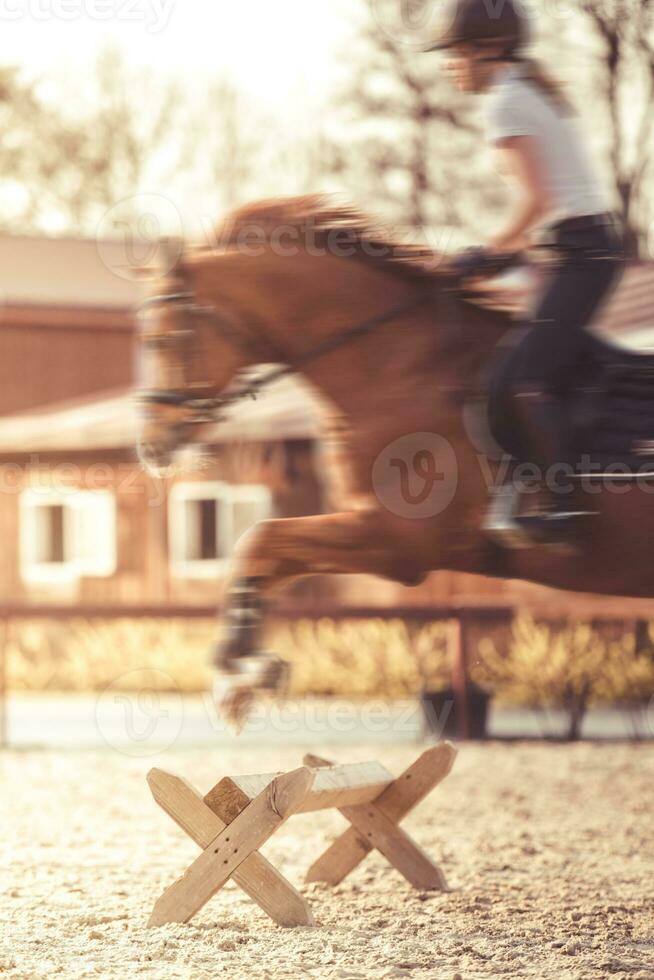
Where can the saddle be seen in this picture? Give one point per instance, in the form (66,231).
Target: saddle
(613,410)
(610,404)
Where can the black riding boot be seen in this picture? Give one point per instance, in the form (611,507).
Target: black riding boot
(543,433)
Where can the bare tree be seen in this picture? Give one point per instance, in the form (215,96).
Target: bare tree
(69,160)
(624,72)
(224,143)
(24,123)
(124,141)
(407,139)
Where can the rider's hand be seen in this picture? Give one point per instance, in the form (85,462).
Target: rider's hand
(469,263)
(473,262)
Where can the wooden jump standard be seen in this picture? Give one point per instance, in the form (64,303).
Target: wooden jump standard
(239,814)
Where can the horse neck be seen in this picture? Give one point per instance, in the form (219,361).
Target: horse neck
(299,303)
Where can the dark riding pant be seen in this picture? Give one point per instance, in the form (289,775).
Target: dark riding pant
(588,262)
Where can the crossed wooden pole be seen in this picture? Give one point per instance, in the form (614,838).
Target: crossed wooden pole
(240,814)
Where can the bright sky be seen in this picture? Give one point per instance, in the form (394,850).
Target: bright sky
(273,48)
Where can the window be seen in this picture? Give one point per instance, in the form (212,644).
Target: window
(65,535)
(207,519)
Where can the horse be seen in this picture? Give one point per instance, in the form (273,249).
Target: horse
(397,349)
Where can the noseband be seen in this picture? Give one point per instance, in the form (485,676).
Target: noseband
(210,409)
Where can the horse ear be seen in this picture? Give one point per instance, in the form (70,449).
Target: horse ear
(167,262)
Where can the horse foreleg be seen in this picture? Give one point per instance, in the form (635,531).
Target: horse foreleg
(276,552)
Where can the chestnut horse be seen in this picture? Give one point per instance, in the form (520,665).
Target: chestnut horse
(285,283)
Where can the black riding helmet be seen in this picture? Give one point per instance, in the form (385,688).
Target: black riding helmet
(485,22)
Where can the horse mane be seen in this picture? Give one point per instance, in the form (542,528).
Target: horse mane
(322,222)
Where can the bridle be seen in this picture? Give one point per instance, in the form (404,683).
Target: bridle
(202,408)
(210,409)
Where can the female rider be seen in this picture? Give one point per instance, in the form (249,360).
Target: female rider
(530,123)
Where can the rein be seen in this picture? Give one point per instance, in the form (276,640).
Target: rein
(209,409)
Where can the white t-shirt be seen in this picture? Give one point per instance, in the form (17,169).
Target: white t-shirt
(516,107)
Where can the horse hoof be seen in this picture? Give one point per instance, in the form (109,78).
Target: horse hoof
(239,681)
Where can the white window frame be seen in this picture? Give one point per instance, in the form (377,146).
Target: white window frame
(222,493)
(76,505)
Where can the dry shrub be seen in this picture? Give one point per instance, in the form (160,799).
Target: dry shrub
(569,667)
(349,657)
(366,658)
(543,665)
(86,655)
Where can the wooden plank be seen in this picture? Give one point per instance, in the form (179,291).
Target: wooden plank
(336,786)
(415,783)
(396,846)
(227,800)
(478,609)
(256,876)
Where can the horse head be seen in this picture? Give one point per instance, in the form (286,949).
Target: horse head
(188,355)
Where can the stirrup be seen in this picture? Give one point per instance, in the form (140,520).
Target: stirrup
(501,524)
(555,529)
(553,520)
(548,529)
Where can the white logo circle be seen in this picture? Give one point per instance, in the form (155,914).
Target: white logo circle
(416,476)
(409,22)
(135,717)
(128,235)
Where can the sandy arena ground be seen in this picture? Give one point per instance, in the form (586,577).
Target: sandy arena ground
(549,851)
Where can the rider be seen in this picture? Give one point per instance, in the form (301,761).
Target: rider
(530,123)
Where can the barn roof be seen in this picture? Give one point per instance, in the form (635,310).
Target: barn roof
(631,309)
(628,317)
(289,409)
(73,273)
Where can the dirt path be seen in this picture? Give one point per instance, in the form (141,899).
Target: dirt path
(549,850)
